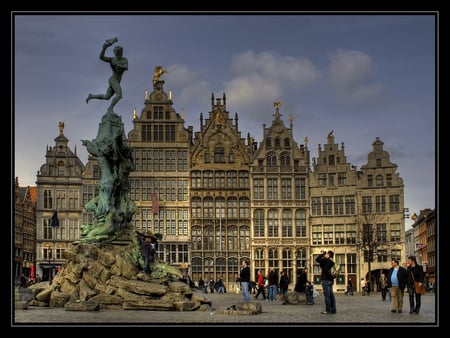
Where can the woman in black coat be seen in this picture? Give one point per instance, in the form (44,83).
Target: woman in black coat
(302,277)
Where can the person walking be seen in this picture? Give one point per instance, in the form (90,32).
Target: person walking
(273,284)
(261,287)
(244,277)
(284,284)
(383,286)
(368,287)
(309,292)
(415,274)
(363,285)
(397,278)
(302,277)
(326,263)
(349,288)
(389,294)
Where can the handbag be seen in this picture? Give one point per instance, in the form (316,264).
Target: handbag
(419,288)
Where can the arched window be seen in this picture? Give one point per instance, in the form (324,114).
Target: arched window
(285,159)
(208,207)
(208,238)
(271,159)
(272,223)
(258,223)
(244,238)
(196,179)
(196,207)
(232,238)
(196,238)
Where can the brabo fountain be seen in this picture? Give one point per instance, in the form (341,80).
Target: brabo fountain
(104,269)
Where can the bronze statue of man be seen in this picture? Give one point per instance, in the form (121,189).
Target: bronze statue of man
(119,65)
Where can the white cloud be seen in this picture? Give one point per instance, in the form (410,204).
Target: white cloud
(352,74)
(181,75)
(187,84)
(365,92)
(245,90)
(195,91)
(266,76)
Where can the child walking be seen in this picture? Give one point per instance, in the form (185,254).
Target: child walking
(309,290)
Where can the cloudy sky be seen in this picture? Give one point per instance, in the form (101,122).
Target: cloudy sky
(361,75)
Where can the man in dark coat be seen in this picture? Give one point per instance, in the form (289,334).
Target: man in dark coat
(397,278)
(326,263)
(148,244)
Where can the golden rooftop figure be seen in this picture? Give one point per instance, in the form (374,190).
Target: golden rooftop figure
(159,70)
(61,127)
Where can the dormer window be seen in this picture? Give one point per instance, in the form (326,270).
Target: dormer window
(331,159)
(61,168)
(219,155)
(379,180)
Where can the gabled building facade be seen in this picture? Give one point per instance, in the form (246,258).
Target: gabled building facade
(219,196)
(59,208)
(24,249)
(333,200)
(424,230)
(280,200)
(380,213)
(160,183)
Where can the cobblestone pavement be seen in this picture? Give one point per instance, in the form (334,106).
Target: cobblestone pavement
(351,310)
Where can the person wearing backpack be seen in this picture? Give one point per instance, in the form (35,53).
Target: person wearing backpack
(326,264)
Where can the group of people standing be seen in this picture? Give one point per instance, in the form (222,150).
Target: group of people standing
(275,284)
(397,279)
(272,284)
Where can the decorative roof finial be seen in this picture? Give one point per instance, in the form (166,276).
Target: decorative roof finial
(61,127)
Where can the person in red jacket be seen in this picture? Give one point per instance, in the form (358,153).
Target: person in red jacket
(261,287)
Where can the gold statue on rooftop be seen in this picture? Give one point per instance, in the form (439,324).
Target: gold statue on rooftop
(61,127)
(159,70)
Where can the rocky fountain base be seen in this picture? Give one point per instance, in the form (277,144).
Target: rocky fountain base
(102,276)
